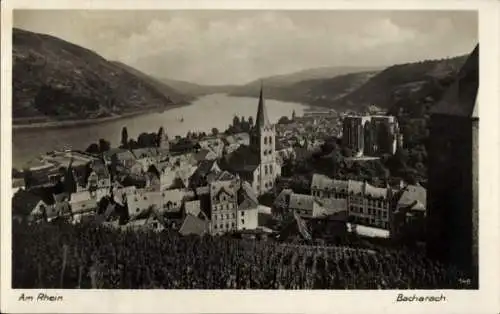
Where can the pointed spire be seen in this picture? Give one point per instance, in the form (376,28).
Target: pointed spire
(262,120)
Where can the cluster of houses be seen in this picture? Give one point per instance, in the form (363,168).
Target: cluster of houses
(308,131)
(172,192)
(395,210)
(211,187)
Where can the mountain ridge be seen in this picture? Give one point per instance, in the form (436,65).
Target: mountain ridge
(55,80)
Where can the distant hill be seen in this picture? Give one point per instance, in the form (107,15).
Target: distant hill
(320,92)
(55,80)
(414,86)
(275,82)
(407,85)
(196,89)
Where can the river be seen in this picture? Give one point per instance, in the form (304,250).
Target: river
(203,114)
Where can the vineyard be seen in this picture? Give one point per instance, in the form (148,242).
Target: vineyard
(86,257)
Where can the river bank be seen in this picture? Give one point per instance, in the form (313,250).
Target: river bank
(86,122)
(203,114)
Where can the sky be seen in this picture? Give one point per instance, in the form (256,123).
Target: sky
(235,47)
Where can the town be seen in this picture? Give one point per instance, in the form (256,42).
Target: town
(213,184)
(312,182)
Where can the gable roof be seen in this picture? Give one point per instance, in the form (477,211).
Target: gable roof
(322,182)
(220,176)
(242,138)
(246,197)
(460,98)
(125,155)
(243,159)
(204,168)
(147,152)
(192,207)
(333,206)
(411,194)
(193,225)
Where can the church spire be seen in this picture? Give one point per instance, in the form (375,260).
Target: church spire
(262,119)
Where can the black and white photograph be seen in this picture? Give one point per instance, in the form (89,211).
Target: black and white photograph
(244,149)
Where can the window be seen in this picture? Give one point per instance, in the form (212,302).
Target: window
(265,140)
(221,226)
(233,215)
(145,198)
(265,169)
(137,210)
(227,226)
(243,221)
(271,169)
(270,140)
(215,226)
(232,225)
(243,213)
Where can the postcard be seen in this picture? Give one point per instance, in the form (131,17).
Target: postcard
(250,157)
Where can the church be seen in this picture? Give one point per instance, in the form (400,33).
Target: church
(257,163)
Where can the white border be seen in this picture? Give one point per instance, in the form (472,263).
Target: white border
(485,300)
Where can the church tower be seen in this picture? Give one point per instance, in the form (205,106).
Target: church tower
(263,141)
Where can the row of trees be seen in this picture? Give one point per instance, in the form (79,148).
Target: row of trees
(144,140)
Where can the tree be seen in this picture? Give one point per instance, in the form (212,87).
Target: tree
(147,140)
(28,178)
(293,115)
(104,145)
(93,149)
(236,121)
(283,120)
(160,136)
(124,141)
(215,131)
